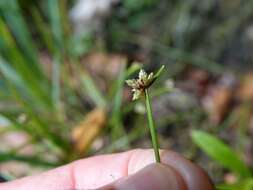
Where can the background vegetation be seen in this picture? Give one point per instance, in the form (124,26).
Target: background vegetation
(63,97)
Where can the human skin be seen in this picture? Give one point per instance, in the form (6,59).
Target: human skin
(132,170)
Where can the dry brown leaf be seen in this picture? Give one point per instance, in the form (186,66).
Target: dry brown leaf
(219,98)
(217,103)
(245,91)
(200,78)
(88,129)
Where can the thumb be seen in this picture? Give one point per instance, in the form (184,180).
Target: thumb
(154,176)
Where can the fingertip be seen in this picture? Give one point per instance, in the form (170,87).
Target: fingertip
(194,176)
(97,171)
(153,176)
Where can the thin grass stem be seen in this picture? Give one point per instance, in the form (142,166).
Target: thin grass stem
(152,127)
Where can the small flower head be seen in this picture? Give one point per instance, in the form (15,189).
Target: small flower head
(139,85)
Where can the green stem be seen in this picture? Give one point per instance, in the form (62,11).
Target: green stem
(152,127)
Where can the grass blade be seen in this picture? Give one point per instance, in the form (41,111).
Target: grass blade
(33,160)
(92,91)
(15,20)
(21,67)
(116,117)
(56,89)
(42,28)
(55,21)
(220,152)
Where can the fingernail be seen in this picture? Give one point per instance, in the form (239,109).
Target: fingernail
(152,177)
(194,177)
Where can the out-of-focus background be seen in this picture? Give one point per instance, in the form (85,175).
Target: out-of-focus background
(63,65)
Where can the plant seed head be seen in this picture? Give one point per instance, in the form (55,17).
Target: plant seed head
(139,85)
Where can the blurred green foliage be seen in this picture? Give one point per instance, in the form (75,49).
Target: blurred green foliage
(49,102)
(176,30)
(223,154)
(177,33)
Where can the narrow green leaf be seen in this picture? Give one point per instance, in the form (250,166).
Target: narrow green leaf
(42,28)
(24,89)
(119,92)
(132,69)
(39,129)
(33,160)
(12,14)
(116,116)
(7,177)
(56,90)
(178,54)
(220,152)
(158,73)
(55,21)
(10,74)
(92,91)
(41,126)
(21,67)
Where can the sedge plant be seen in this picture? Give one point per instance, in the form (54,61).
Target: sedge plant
(140,87)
